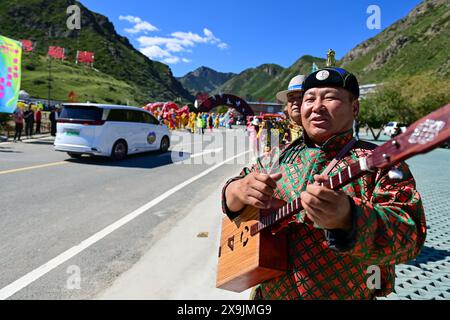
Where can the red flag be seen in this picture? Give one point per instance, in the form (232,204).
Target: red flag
(56,52)
(85,57)
(27,45)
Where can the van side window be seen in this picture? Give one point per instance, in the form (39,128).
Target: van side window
(135,116)
(117,115)
(150,119)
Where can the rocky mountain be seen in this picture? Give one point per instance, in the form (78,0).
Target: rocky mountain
(45,23)
(281,81)
(416,44)
(248,83)
(204,79)
(265,81)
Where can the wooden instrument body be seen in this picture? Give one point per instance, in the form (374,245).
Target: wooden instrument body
(246,260)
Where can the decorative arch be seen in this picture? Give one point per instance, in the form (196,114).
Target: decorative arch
(228,100)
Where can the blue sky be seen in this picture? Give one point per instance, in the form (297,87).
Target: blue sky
(233,35)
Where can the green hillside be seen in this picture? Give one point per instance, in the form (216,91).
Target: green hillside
(249,82)
(88,84)
(266,80)
(417,44)
(281,82)
(44,22)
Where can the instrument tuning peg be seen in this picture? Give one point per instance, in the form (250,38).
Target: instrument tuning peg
(395,174)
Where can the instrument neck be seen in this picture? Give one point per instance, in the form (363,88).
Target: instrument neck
(341,178)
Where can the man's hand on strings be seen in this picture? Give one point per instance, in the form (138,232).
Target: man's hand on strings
(256,190)
(327,208)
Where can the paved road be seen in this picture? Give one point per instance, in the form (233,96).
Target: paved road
(50,204)
(428,276)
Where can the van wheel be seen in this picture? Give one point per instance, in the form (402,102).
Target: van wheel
(165,144)
(119,150)
(74,155)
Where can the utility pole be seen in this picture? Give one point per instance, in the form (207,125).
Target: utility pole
(49,72)
(49,80)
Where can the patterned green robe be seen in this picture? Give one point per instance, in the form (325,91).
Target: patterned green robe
(388,227)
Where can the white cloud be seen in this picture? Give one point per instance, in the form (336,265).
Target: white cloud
(172,60)
(190,38)
(174,47)
(164,48)
(174,43)
(210,36)
(130,19)
(223,45)
(155,52)
(139,25)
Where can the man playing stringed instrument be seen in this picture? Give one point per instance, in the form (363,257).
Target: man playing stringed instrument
(341,237)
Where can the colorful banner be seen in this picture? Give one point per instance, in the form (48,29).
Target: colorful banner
(10,61)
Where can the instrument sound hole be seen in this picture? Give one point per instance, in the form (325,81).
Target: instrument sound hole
(231,243)
(246,230)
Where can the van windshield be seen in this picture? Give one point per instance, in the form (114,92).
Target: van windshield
(81,113)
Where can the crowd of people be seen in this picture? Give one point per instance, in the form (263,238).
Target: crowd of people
(264,130)
(30,117)
(196,122)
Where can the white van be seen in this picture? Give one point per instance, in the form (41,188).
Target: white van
(390,128)
(108,130)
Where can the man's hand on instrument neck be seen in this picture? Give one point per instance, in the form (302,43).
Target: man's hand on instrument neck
(256,190)
(327,208)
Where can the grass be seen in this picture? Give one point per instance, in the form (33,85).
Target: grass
(88,84)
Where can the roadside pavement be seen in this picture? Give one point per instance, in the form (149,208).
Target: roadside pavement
(182,265)
(4,139)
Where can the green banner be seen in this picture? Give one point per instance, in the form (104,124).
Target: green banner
(10,61)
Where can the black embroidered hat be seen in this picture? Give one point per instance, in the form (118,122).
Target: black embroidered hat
(332,77)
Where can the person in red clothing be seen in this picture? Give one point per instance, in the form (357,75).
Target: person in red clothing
(343,240)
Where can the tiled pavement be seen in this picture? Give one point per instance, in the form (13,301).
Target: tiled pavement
(428,276)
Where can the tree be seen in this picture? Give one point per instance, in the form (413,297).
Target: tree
(380,108)
(431,102)
(425,93)
(404,100)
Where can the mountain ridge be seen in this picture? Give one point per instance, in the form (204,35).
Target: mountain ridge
(416,44)
(44,22)
(204,79)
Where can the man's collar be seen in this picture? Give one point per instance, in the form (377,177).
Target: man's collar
(334,144)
